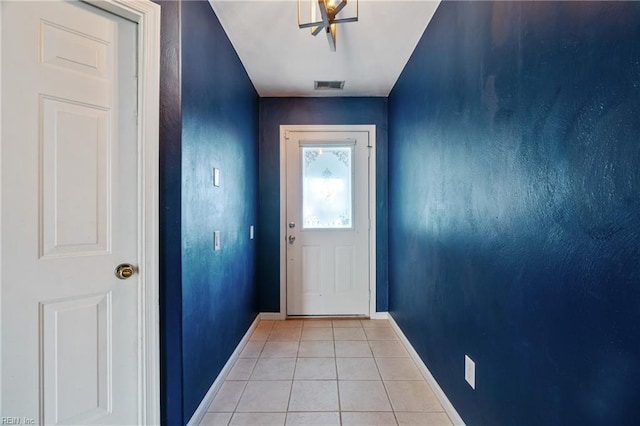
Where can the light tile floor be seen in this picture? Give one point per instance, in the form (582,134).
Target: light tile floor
(325,372)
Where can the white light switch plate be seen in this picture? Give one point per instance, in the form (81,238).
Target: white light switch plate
(216,240)
(216,177)
(470,371)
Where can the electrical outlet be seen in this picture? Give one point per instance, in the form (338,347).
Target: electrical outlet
(216,177)
(251,232)
(216,240)
(470,371)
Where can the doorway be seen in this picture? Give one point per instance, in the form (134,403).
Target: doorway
(79,212)
(327,220)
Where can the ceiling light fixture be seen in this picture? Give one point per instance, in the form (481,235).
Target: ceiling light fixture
(323,16)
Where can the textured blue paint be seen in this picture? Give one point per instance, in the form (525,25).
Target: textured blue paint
(515,209)
(220,129)
(277,111)
(208,299)
(170,198)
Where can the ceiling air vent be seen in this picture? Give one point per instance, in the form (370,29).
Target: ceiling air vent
(328,85)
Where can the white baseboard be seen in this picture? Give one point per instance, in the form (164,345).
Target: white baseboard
(215,387)
(276,316)
(437,390)
(270,316)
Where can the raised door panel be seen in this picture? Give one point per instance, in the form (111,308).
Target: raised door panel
(75,175)
(76,359)
(72,50)
(344,269)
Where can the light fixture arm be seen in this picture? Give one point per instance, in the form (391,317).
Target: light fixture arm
(328,13)
(331,37)
(324,13)
(339,7)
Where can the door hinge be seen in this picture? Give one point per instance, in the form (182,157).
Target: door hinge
(286,135)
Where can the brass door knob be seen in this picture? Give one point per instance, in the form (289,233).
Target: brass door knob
(124,271)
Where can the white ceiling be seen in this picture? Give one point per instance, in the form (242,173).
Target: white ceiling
(283,60)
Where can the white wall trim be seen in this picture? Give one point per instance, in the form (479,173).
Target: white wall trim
(283,220)
(371,129)
(270,316)
(147,15)
(437,390)
(201,411)
(380,315)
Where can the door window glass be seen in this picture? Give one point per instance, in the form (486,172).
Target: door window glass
(327,191)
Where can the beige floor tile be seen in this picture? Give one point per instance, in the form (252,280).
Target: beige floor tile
(369,323)
(346,323)
(398,369)
(357,369)
(260,335)
(380,333)
(280,350)
(314,395)
(316,349)
(286,334)
(268,324)
(423,419)
(296,323)
(363,396)
(412,396)
(216,419)
(274,369)
(349,334)
(252,350)
(353,349)
(388,349)
(317,334)
(313,419)
(242,369)
(317,323)
(315,369)
(265,397)
(368,419)
(227,397)
(258,419)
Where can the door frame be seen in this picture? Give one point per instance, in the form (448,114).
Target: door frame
(147,15)
(284,136)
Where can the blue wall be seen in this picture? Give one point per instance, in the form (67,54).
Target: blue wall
(219,129)
(170,199)
(514,189)
(208,309)
(277,111)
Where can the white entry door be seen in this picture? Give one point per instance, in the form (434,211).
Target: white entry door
(328,222)
(70,331)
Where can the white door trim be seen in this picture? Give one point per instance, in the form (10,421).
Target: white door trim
(147,15)
(284,129)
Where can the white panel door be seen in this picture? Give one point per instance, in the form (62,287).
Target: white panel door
(327,210)
(70,338)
